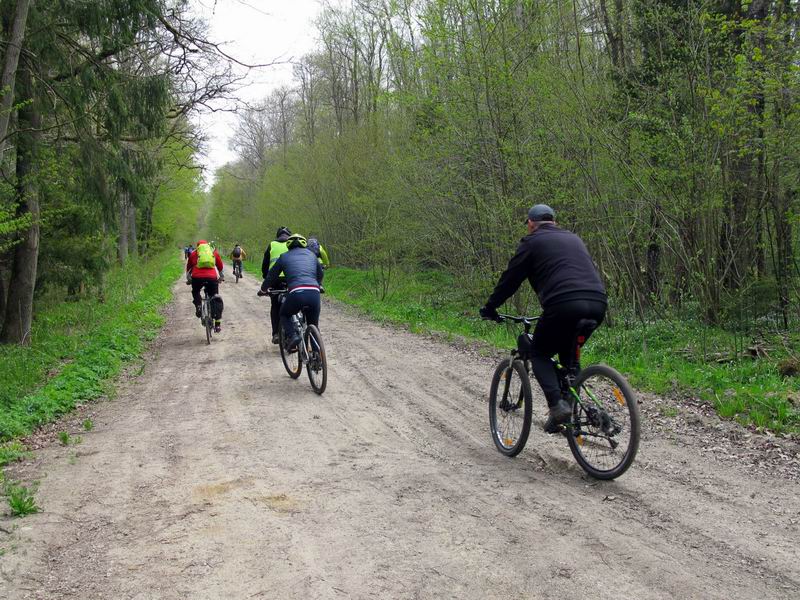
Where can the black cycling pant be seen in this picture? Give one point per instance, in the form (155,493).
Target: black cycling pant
(212,289)
(306,300)
(555,334)
(275,307)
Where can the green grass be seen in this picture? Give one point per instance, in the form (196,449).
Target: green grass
(12,451)
(79,347)
(669,356)
(20,499)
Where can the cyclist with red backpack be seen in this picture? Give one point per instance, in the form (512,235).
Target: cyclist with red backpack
(204,270)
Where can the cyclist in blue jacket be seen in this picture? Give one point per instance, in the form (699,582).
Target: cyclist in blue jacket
(303,274)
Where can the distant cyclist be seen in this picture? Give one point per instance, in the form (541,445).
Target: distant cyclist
(204,269)
(560,270)
(319,250)
(274,250)
(237,255)
(303,274)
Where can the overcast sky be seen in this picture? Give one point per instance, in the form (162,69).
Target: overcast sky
(254,32)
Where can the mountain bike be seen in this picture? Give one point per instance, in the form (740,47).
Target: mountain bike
(604,429)
(205,316)
(206,320)
(309,352)
(237,270)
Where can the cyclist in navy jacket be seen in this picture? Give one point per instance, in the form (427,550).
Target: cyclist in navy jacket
(303,274)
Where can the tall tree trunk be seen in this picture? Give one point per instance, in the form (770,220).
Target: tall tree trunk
(8,78)
(2,295)
(653,268)
(122,240)
(133,242)
(19,309)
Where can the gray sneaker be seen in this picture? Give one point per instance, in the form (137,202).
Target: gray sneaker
(559,413)
(276,339)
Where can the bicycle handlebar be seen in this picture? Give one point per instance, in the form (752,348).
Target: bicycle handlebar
(513,319)
(271,292)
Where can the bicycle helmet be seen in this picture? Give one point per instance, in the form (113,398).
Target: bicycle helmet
(296,241)
(283,231)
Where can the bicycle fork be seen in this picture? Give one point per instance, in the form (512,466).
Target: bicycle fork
(504,403)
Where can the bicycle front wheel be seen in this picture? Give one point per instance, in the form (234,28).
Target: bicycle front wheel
(605,431)
(510,407)
(291,360)
(317,365)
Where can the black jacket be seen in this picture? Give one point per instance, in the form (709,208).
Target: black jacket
(299,266)
(558,266)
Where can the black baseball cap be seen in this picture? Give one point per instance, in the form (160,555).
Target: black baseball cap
(541,212)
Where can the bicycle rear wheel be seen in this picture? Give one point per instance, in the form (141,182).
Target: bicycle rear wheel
(317,366)
(291,360)
(605,431)
(510,407)
(207,320)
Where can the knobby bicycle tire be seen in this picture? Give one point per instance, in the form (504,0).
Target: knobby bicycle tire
(289,359)
(316,358)
(511,382)
(207,320)
(612,389)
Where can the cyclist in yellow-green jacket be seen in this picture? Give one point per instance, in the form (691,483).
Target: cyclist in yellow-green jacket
(274,249)
(319,250)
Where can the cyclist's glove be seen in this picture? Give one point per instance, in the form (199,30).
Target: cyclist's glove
(261,292)
(489,313)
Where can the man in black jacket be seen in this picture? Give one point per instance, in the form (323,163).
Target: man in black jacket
(561,272)
(274,250)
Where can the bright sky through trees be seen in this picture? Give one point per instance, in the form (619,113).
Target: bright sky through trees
(254,32)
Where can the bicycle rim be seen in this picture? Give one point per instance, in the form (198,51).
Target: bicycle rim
(291,361)
(604,436)
(510,407)
(317,366)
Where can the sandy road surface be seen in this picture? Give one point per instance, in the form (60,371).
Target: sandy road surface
(213,475)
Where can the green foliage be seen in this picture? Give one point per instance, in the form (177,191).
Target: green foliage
(178,202)
(674,356)
(79,347)
(87,424)
(20,499)
(66,439)
(12,451)
(665,142)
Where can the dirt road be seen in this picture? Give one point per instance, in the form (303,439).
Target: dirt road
(212,475)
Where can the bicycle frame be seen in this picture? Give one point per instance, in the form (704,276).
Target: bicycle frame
(566,375)
(300,322)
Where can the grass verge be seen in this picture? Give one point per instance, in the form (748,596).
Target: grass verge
(667,356)
(78,347)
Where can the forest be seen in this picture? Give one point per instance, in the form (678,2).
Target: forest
(664,132)
(99,154)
